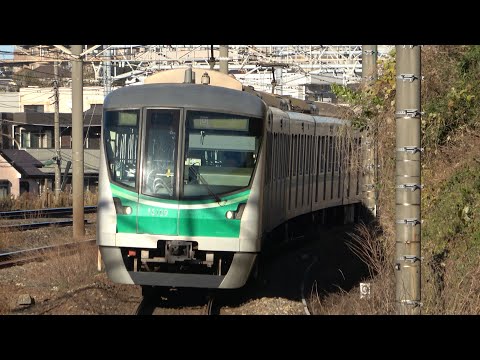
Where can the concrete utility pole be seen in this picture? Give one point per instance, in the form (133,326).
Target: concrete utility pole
(211,61)
(56,123)
(224,59)
(77,144)
(408,180)
(107,72)
(369,63)
(369,75)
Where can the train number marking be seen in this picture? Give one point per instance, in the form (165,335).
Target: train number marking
(157,212)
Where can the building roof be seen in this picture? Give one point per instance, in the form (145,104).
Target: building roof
(91,160)
(23,162)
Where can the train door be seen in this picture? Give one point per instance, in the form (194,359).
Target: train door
(158,195)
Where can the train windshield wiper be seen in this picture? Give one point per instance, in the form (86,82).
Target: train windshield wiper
(197,174)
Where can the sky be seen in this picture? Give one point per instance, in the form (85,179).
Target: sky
(8,48)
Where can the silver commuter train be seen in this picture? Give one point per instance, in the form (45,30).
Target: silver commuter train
(194,178)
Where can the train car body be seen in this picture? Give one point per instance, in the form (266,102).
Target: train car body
(194,177)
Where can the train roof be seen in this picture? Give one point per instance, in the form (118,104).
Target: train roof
(201,97)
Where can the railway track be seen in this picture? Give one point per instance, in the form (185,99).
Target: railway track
(37,225)
(179,301)
(19,257)
(38,213)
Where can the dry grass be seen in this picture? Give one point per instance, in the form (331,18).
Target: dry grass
(69,271)
(4,301)
(375,251)
(28,201)
(29,239)
(462,295)
(380,302)
(57,275)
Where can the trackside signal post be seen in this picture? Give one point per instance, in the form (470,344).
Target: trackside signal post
(408,180)
(369,75)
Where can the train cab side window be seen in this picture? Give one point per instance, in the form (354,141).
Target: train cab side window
(121,145)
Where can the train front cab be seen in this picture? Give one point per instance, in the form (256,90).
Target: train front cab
(185,221)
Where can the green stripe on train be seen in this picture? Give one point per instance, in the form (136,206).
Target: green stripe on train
(160,216)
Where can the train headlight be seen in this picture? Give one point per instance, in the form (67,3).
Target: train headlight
(237,214)
(120,209)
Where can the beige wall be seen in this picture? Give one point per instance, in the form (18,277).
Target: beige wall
(10,102)
(8,172)
(44,96)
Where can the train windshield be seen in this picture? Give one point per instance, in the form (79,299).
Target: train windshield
(220,153)
(161,152)
(121,144)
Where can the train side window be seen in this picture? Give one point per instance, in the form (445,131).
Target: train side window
(339,154)
(270,158)
(307,154)
(309,157)
(324,154)
(285,154)
(275,156)
(320,155)
(282,151)
(281,156)
(330,153)
(290,161)
(312,154)
(339,162)
(334,153)
(278,157)
(298,153)
(294,155)
(300,156)
(279,165)
(288,154)
(268,167)
(304,152)
(358,146)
